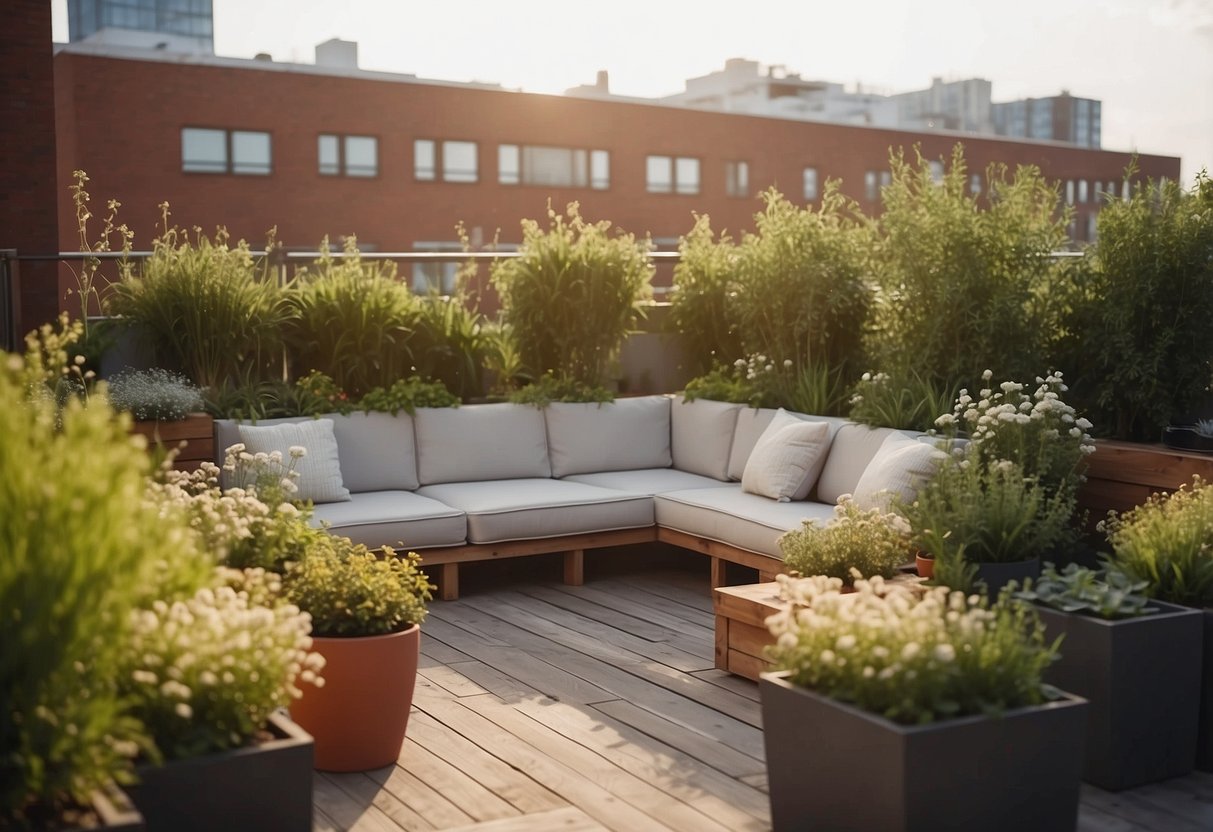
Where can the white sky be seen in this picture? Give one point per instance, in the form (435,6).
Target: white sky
(1149,61)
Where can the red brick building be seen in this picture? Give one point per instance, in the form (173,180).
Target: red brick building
(399,161)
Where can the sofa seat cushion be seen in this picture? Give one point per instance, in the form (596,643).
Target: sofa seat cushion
(533,508)
(729,515)
(647,480)
(622,435)
(400,519)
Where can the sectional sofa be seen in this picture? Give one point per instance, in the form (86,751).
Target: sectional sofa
(494,481)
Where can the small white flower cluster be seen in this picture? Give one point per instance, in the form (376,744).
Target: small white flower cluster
(905,652)
(868,382)
(1040,433)
(207,671)
(753,367)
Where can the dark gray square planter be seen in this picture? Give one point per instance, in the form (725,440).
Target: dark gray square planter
(254,789)
(832,766)
(1142,679)
(1204,740)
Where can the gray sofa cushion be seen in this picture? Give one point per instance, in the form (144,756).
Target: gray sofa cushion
(531,509)
(647,481)
(853,447)
(612,436)
(731,516)
(479,442)
(318,469)
(702,435)
(394,518)
(751,422)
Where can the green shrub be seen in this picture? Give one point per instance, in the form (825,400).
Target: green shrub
(204,308)
(759,382)
(350,591)
(1138,325)
(451,345)
(908,402)
(701,306)
(966,287)
(407,394)
(910,657)
(802,291)
(353,320)
(854,544)
(548,389)
(570,296)
(1168,542)
(80,546)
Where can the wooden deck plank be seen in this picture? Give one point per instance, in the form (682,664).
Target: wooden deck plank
(454,784)
(348,812)
(637,609)
(369,788)
(567,819)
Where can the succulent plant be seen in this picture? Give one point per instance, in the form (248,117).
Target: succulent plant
(1077,589)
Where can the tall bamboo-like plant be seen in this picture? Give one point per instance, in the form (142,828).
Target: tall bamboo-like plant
(204,307)
(966,279)
(1138,324)
(352,320)
(570,297)
(803,293)
(701,308)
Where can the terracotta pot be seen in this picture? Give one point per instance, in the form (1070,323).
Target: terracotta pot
(359,717)
(926,566)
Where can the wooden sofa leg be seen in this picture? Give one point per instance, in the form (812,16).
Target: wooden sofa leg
(720,570)
(448,582)
(574,567)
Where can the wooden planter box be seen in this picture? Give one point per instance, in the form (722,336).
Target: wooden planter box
(1121,475)
(197,431)
(1142,678)
(741,634)
(832,766)
(254,789)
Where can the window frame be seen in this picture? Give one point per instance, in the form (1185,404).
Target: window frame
(227,164)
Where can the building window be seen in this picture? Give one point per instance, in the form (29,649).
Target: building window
(348,155)
(810,184)
(936,171)
(560,167)
(458,161)
(975,184)
(667,174)
(208,150)
(870,192)
(1091,228)
(1082,190)
(436,276)
(1069,192)
(737,178)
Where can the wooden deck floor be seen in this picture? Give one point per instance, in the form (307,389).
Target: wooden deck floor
(545,707)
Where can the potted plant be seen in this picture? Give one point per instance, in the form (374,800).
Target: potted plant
(366,610)
(1197,437)
(207,675)
(856,543)
(1136,660)
(896,708)
(1168,543)
(167,409)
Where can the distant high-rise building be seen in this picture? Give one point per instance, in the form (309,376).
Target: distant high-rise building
(1062,118)
(176,25)
(947,105)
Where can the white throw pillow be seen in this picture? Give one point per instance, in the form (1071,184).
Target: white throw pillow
(319,470)
(787,458)
(899,469)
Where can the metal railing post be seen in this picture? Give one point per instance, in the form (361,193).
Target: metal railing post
(9,286)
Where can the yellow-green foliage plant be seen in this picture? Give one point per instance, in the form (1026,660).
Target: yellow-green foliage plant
(966,280)
(80,546)
(854,544)
(570,296)
(803,293)
(204,307)
(353,320)
(701,306)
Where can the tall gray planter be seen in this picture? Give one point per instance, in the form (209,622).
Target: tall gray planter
(1142,679)
(832,766)
(1204,741)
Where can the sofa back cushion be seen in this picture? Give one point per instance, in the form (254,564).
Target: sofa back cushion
(480,442)
(896,472)
(376,451)
(624,435)
(752,422)
(702,436)
(853,447)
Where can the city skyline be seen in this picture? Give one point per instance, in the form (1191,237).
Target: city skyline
(1151,66)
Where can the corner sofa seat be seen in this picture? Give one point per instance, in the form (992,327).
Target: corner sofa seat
(647,481)
(730,516)
(535,508)
(396,518)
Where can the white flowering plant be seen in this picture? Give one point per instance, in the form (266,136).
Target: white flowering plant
(911,401)
(854,543)
(204,673)
(254,523)
(1037,431)
(760,381)
(909,655)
